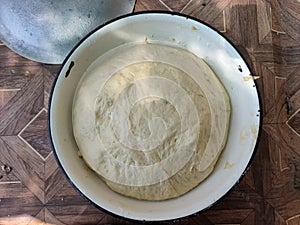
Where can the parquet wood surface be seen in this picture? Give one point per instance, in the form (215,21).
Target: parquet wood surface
(33,190)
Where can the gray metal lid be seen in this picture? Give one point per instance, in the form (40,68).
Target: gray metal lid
(45,31)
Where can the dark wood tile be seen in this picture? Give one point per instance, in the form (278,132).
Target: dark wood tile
(12,64)
(6,95)
(209,11)
(241,23)
(14,145)
(21,108)
(150,5)
(294,122)
(178,5)
(54,184)
(31,177)
(284,15)
(36,134)
(20,197)
(50,166)
(50,72)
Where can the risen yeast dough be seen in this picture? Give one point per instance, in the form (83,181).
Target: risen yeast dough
(151,120)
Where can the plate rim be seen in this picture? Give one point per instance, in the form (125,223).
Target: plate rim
(153,12)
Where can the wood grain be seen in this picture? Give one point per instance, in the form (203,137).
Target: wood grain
(266,32)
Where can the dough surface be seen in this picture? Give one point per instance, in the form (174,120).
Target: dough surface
(151,120)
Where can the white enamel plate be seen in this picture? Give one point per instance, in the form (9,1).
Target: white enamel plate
(170,29)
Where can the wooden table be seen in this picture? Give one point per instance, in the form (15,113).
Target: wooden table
(266,32)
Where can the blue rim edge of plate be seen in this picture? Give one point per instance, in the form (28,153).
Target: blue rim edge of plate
(70,54)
